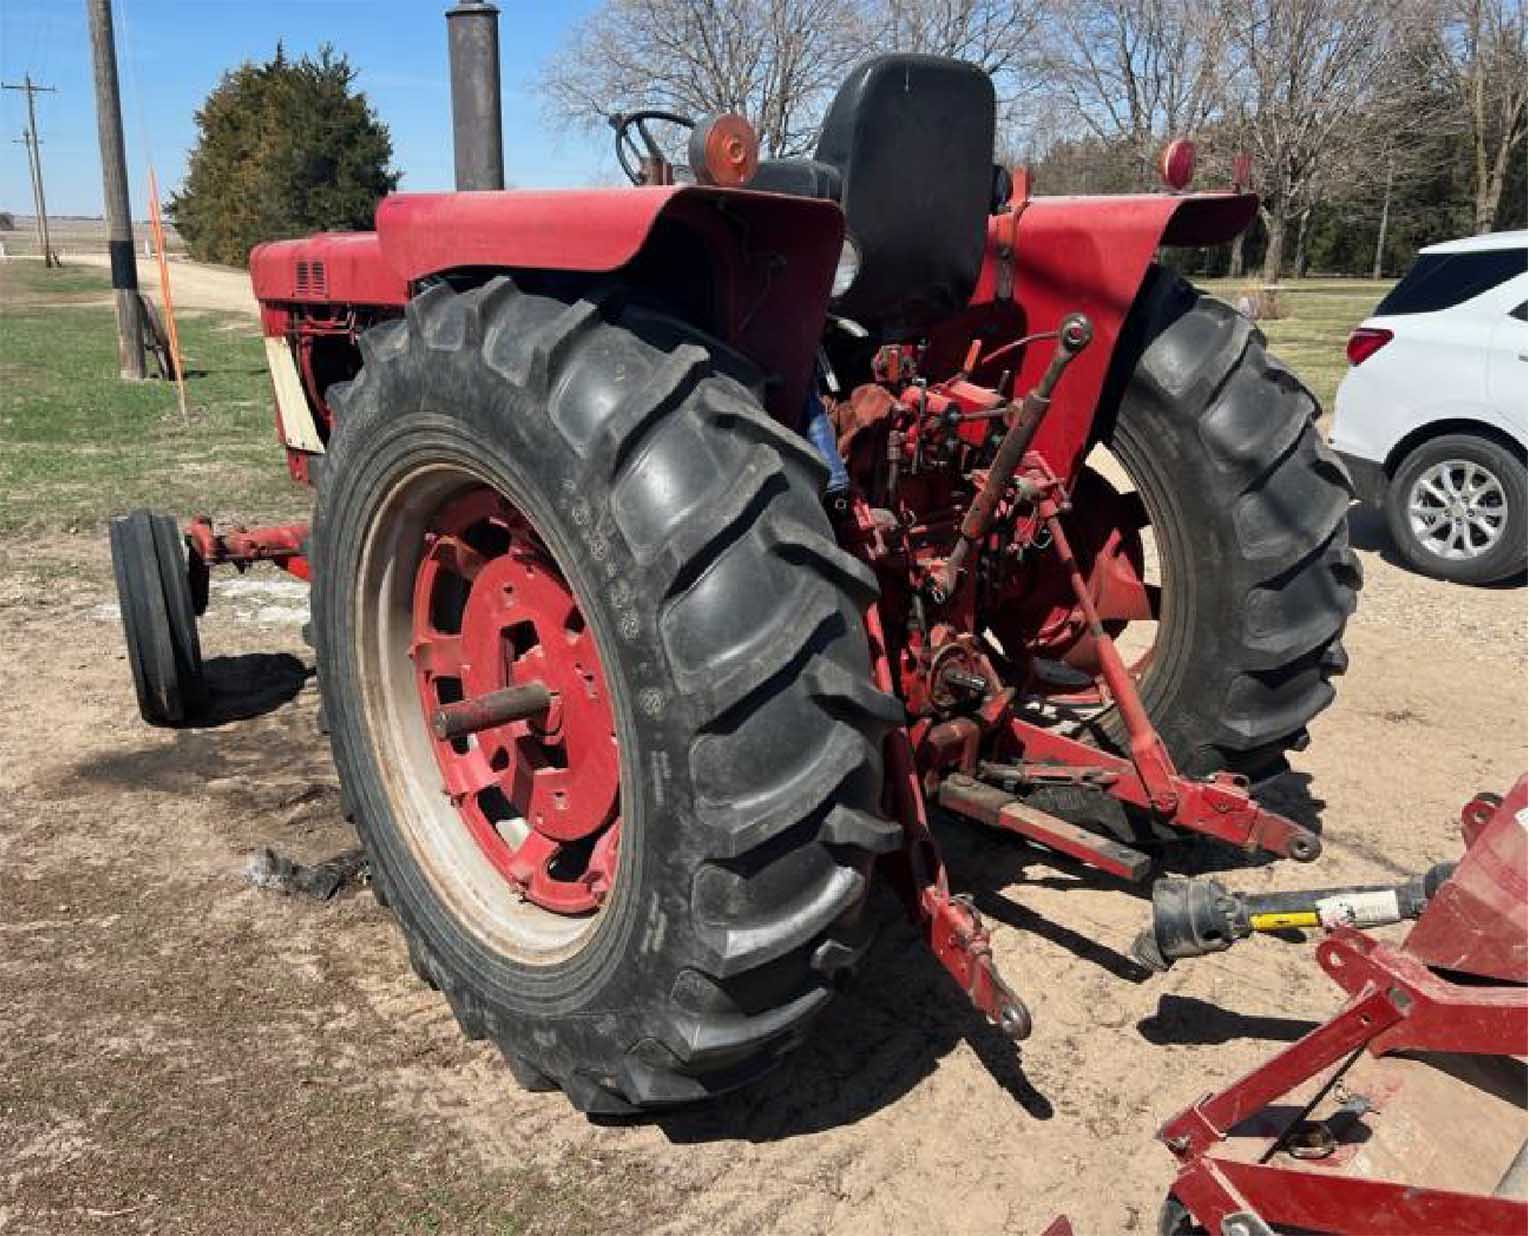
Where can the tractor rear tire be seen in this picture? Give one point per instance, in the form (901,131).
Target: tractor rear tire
(158,618)
(1250,511)
(688,528)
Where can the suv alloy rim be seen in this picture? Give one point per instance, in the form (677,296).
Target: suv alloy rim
(1457,509)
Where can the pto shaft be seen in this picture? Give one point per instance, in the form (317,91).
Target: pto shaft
(1192,918)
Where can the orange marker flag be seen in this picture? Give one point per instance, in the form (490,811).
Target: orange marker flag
(157,231)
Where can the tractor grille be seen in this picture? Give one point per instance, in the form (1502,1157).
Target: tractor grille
(311,280)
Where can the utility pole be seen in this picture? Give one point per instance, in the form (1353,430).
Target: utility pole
(119,216)
(34,161)
(26,140)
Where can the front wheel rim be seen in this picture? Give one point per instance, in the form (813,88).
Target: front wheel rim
(515,825)
(1457,510)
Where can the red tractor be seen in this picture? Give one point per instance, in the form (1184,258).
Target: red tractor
(677,547)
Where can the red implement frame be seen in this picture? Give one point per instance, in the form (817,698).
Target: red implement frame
(1397,1004)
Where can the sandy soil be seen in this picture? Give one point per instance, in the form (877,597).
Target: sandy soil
(193,285)
(181,1052)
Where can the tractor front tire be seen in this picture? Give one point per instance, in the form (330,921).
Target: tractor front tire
(686,527)
(159,623)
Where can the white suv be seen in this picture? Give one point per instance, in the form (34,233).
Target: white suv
(1431,417)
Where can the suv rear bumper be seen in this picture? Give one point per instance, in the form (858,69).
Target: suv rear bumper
(1368,477)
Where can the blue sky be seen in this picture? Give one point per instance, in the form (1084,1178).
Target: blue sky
(170,53)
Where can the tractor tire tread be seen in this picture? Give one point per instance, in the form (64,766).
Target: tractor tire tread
(778,848)
(1236,447)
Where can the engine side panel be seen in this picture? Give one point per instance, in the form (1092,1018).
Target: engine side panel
(345,268)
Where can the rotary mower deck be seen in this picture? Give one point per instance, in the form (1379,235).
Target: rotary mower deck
(1357,1126)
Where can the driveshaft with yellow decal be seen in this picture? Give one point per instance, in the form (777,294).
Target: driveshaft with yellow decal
(1192,918)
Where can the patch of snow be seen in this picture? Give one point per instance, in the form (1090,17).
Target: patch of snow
(258,600)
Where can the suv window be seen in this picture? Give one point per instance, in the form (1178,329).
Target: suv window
(1519,310)
(1441,280)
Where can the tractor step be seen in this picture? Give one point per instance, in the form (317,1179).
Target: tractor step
(992,806)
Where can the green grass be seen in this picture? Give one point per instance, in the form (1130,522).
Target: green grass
(23,282)
(77,444)
(1317,316)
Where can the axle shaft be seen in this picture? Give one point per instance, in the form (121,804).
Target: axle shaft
(464,717)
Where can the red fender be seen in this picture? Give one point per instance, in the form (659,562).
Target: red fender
(1053,255)
(760,263)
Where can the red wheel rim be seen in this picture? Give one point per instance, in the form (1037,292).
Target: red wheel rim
(539,796)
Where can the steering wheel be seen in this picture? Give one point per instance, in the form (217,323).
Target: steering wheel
(628,153)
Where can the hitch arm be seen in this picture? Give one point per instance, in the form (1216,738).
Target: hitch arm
(1220,806)
(950,924)
(960,942)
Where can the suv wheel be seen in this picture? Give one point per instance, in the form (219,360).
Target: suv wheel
(1456,509)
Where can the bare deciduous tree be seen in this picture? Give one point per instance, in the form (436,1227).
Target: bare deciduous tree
(776,62)
(997,35)
(1483,44)
(1140,71)
(1306,72)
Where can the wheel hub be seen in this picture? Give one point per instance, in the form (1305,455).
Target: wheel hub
(1457,510)
(539,792)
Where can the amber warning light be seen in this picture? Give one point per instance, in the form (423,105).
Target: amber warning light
(1176,165)
(724,151)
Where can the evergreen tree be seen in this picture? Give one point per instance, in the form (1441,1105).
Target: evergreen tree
(284,148)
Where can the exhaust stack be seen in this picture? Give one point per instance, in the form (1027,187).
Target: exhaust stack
(472,36)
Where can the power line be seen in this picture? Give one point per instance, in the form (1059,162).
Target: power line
(34,161)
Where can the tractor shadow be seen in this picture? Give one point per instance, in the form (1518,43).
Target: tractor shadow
(996,869)
(250,755)
(250,685)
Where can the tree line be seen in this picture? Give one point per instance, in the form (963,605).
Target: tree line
(1369,128)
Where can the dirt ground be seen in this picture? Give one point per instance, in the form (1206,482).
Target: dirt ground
(181,1052)
(192,284)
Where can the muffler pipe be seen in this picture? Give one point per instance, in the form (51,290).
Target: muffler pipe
(472,38)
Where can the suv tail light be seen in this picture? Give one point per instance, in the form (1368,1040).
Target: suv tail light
(1366,341)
